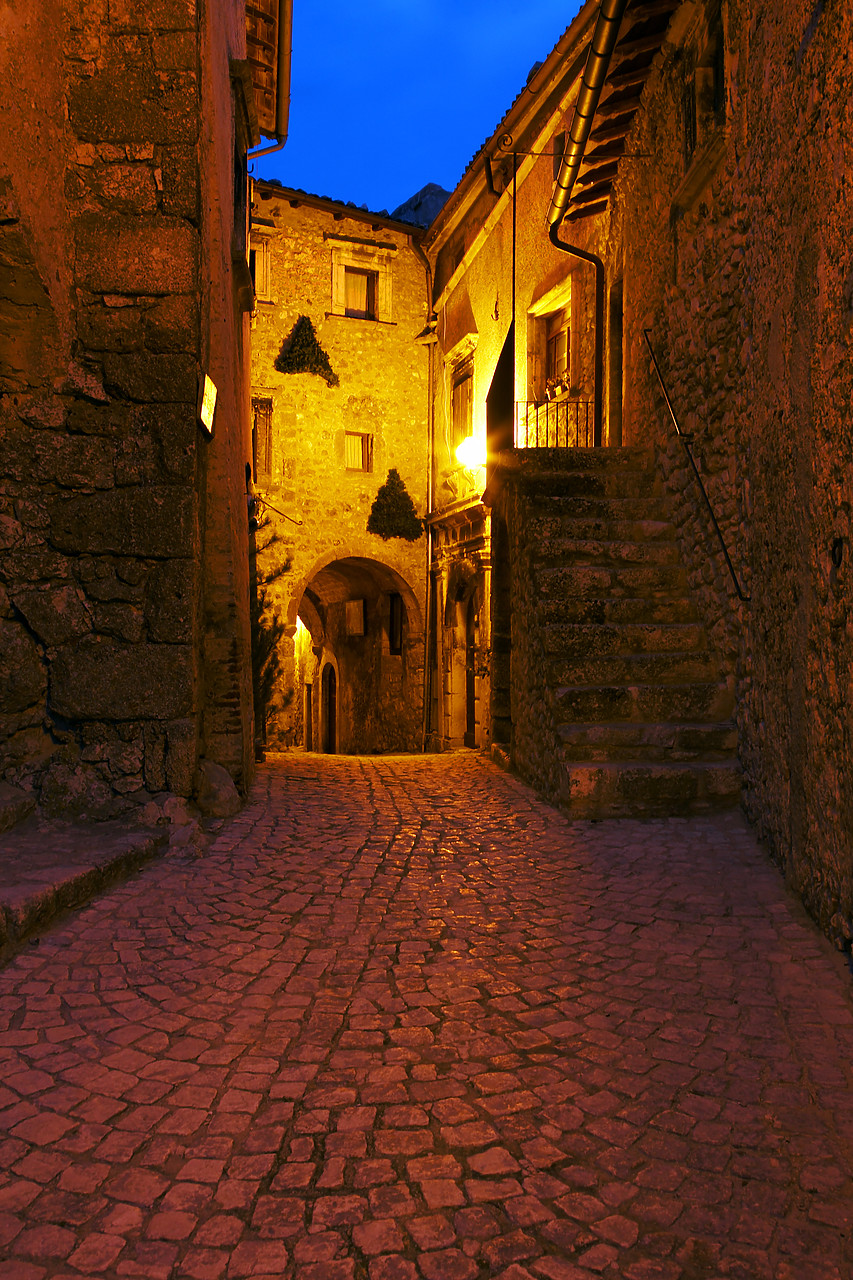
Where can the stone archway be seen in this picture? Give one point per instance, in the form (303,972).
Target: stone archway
(366,625)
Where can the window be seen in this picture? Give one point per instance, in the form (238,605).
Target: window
(355,617)
(259,265)
(358,451)
(361,280)
(261,438)
(557,352)
(360,289)
(462,402)
(395,623)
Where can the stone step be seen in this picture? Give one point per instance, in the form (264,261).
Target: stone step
(652,582)
(602,528)
(608,669)
(599,508)
(631,609)
(547,464)
(622,482)
(579,640)
(595,551)
(696,701)
(648,742)
(635,789)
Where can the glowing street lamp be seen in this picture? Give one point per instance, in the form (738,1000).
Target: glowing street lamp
(471,453)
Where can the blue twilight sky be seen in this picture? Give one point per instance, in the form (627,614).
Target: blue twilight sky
(388,95)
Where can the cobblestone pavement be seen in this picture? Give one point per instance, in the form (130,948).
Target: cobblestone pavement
(402,1021)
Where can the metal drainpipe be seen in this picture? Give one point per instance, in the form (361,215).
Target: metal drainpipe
(601,48)
(282,80)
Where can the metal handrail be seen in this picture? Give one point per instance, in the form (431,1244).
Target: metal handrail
(685,439)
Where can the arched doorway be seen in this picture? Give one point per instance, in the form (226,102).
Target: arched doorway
(366,624)
(330,712)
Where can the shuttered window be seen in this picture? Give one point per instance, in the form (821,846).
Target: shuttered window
(358,451)
(461,406)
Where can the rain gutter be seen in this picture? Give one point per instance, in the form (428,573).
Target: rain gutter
(604,37)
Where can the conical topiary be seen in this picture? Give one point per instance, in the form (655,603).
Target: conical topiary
(301,353)
(393,512)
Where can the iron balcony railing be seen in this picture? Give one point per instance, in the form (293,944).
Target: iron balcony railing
(554,424)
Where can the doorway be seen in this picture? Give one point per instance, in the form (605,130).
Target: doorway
(469,738)
(330,714)
(615,397)
(309,717)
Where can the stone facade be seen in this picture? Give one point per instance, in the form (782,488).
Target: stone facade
(725,233)
(737,257)
(491,334)
(351,673)
(124,633)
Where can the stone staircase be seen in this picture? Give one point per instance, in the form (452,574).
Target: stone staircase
(641,708)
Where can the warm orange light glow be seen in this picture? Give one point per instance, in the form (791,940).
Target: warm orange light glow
(471,453)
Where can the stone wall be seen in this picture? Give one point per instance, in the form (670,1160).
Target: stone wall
(104,325)
(739,262)
(302,473)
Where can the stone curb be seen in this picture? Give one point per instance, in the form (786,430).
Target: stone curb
(31,898)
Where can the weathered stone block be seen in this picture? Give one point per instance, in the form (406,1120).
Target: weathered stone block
(127,103)
(175,51)
(54,614)
(181,752)
(33,565)
(136,255)
(155,521)
(111,329)
(154,765)
(169,606)
(138,462)
(74,790)
(216,795)
(175,428)
(15,805)
(98,419)
(118,619)
(80,462)
(171,324)
(23,679)
(99,679)
(153,15)
(145,377)
(179,176)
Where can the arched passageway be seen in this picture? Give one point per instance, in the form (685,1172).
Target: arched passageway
(364,647)
(329,709)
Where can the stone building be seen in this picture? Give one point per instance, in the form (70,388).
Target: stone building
(124,284)
(351,601)
(707,201)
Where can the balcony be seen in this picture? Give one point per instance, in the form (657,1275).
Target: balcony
(561,423)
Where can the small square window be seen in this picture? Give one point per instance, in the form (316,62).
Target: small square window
(358,451)
(360,293)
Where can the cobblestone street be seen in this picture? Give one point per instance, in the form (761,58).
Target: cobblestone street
(401,1020)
